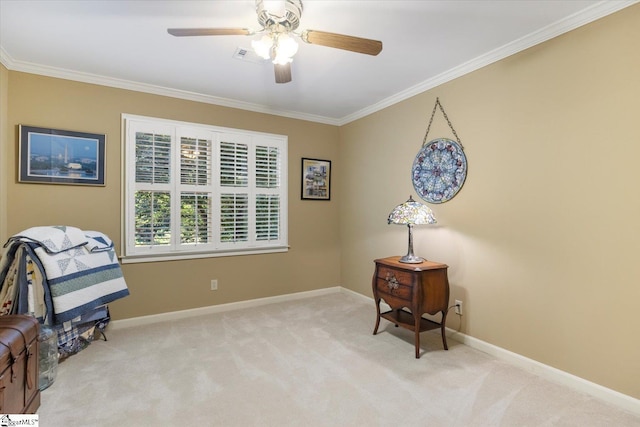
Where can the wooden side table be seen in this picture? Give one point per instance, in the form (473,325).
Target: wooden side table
(420,288)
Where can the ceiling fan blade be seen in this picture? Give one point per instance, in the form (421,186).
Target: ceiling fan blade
(340,41)
(283,73)
(186,32)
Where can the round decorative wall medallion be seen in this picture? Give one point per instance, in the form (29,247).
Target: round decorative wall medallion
(439,170)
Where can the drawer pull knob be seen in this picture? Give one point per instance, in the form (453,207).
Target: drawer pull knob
(392,282)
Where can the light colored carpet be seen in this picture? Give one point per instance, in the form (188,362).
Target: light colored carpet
(310,362)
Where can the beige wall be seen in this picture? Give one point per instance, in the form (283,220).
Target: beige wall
(543,239)
(312,262)
(4,129)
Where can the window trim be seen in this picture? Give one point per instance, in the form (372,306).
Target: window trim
(221,248)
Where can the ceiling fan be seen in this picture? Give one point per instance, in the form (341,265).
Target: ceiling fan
(278,24)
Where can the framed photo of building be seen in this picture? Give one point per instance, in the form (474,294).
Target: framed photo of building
(316,179)
(53,156)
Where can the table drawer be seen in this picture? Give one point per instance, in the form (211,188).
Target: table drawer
(393,288)
(391,274)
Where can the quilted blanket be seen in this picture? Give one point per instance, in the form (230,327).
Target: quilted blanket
(53,239)
(81,271)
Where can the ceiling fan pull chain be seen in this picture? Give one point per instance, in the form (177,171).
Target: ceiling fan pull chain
(438,104)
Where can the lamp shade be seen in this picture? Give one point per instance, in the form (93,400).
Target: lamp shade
(263,46)
(410,213)
(279,47)
(286,47)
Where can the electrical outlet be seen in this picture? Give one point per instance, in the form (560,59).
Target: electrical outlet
(458,307)
(214,284)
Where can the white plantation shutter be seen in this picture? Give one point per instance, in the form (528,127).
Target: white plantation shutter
(234,164)
(234,218)
(195,214)
(234,188)
(153,157)
(152,218)
(268,206)
(152,200)
(195,190)
(267,217)
(267,167)
(195,161)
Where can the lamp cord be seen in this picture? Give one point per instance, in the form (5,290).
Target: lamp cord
(438,104)
(454,306)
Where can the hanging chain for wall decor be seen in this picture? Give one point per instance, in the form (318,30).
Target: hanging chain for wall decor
(433,113)
(440,168)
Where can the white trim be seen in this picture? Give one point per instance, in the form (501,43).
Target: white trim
(134,259)
(547,372)
(6,59)
(200,311)
(79,76)
(364,298)
(550,373)
(590,14)
(216,136)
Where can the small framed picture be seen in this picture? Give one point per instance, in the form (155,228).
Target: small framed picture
(316,179)
(53,156)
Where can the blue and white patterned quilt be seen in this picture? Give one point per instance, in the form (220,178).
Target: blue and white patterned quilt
(81,270)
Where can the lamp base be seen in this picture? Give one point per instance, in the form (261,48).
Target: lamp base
(411,259)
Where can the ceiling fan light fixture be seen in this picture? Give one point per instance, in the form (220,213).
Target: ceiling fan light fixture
(279,21)
(279,47)
(262,47)
(285,48)
(282,60)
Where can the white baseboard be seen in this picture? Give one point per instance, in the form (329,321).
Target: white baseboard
(183,314)
(613,397)
(550,373)
(547,372)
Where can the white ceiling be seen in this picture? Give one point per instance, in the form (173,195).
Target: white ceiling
(425,43)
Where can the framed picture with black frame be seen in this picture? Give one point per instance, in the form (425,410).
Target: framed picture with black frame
(54,156)
(316,179)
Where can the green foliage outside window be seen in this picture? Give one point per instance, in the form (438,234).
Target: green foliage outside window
(152,218)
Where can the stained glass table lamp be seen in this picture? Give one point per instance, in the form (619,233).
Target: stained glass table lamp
(410,213)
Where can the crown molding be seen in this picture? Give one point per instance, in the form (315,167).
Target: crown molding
(61,73)
(5,59)
(590,14)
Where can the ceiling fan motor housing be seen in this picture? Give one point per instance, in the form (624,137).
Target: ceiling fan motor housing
(290,18)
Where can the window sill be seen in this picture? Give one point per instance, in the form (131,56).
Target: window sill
(133,259)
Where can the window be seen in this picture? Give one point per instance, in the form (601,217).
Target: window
(194,190)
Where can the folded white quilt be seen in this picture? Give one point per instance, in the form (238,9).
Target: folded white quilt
(54,238)
(80,280)
(97,241)
(81,268)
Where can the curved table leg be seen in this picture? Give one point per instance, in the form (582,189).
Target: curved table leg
(442,329)
(417,334)
(375,330)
